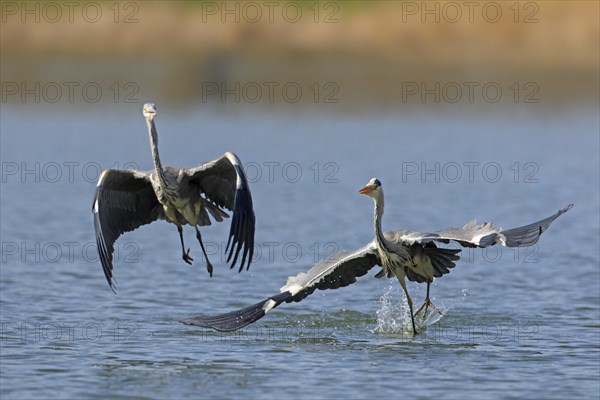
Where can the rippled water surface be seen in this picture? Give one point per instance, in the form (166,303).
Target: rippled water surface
(516,324)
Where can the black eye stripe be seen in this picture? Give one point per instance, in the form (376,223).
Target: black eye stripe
(377,182)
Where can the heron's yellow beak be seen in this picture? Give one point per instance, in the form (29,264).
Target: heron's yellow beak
(365,190)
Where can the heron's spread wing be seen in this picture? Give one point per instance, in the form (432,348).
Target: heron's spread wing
(223,181)
(339,271)
(470,235)
(480,235)
(124,201)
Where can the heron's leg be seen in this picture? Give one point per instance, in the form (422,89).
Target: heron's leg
(410,306)
(186,254)
(427,303)
(209,266)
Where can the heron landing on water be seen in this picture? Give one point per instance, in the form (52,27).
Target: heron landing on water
(128,199)
(403,254)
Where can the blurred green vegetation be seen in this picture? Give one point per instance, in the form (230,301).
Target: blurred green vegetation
(368,49)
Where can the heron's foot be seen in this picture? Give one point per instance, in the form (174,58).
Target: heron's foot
(209,267)
(426,305)
(186,257)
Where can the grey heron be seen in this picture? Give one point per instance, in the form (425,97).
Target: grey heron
(403,254)
(128,199)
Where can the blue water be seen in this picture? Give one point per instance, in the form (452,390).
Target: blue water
(516,324)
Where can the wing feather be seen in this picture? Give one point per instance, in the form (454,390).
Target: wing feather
(124,201)
(339,271)
(480,235)
(223,182)
(529,234)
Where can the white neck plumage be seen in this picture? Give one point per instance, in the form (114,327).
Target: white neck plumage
(378,215)
(155,157)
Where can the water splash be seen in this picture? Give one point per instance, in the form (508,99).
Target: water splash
(393,315)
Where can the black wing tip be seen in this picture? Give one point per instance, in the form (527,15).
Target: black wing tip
(226,326)
(112,287)
(104,251)
(248,242)
(566,208)
(231,321)
(242,230)
(197,320)
(106,267)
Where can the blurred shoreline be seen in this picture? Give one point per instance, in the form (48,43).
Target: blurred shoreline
(358,53)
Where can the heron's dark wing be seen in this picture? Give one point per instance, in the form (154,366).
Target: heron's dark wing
(341,270)
(124,201)
(481,235)
(223,182)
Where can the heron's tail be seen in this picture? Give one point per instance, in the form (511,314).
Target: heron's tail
(238,319)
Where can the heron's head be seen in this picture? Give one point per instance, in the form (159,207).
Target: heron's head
(372,189)
(149,111)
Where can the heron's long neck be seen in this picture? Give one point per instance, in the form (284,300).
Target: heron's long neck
(155,157)
(378,214)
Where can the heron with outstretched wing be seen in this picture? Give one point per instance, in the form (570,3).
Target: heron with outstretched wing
(128,199)
(403,254)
